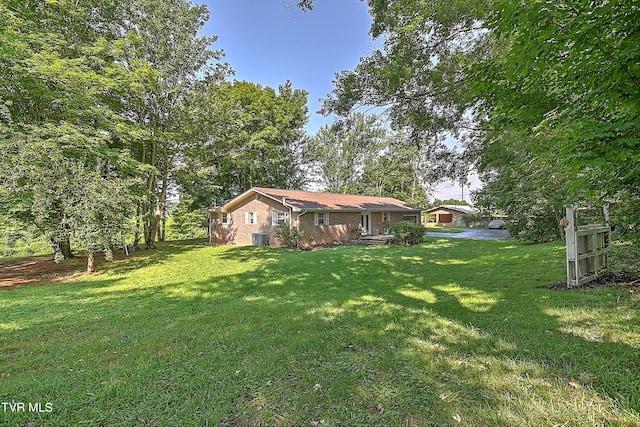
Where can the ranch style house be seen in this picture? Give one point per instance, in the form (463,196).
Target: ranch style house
(252,217)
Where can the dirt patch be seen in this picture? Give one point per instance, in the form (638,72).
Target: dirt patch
(42,269)
(629,280)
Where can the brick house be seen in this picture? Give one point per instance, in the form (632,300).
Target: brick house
(252,217)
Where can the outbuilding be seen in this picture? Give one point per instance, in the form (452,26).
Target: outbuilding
(451,214)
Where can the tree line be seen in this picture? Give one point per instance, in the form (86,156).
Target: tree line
(107,109)
(542,95)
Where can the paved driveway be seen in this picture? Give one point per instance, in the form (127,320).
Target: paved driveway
(475,234)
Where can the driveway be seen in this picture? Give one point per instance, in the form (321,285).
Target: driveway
(475,234)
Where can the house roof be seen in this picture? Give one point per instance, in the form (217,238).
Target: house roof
(313,201)
(458,208)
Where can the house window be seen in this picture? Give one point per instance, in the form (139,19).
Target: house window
(251,218)
(280,217)
(386,216)
(322,218)
(225,217)
(410,218)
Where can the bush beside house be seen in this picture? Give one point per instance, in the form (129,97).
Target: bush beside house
(407,233)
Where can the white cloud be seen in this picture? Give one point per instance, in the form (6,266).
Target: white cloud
(451,190)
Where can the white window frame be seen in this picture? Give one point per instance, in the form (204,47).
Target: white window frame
(386,216)
(413,216)
(279,217)
(225,218)
(324,220)
(251,218)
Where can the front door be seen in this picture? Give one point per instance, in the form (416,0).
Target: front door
(366,223)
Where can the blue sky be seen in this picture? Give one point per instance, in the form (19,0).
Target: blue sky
(272,41)
(269,42)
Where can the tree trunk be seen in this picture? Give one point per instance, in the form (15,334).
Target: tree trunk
(136,235)
(90,262)
(150,229)
(64,247)
(151,225)
(161,206)
(561,229)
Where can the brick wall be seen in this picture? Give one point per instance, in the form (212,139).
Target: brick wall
(238,232)
(340,228)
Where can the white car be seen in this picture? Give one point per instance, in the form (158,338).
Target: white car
(497,224)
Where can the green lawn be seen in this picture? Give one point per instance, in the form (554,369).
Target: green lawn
(452,332)
(445,229)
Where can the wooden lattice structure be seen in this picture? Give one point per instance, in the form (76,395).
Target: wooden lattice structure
(587,248)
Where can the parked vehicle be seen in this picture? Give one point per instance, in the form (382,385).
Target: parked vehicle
(497,224)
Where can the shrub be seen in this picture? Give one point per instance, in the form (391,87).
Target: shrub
(187,221)
(290,236)
(537,229)
(472,220)
(407,233)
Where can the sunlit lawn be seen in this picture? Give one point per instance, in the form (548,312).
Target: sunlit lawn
(444,229)
(452,332)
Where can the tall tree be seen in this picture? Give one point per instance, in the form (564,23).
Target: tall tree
(419,76)
(104,88)
(359,155)
(568,78)
(90,191)
(540,80)
(166,62)
(338,153)
(55,125)
(252,137)
(396,172)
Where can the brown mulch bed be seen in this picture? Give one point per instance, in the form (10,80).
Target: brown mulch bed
(625,279)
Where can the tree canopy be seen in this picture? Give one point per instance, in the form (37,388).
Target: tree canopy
(359,155)
(542,95)
(103,105)
(251,137)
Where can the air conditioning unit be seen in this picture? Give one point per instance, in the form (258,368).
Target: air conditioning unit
(260,239)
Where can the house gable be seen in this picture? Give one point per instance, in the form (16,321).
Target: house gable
(249,213)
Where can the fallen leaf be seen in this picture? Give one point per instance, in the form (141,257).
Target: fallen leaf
(575,384)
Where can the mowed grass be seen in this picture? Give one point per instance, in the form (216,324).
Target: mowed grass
(445,229)
(451,332)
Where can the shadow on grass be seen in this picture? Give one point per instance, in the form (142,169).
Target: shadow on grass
(447,333)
